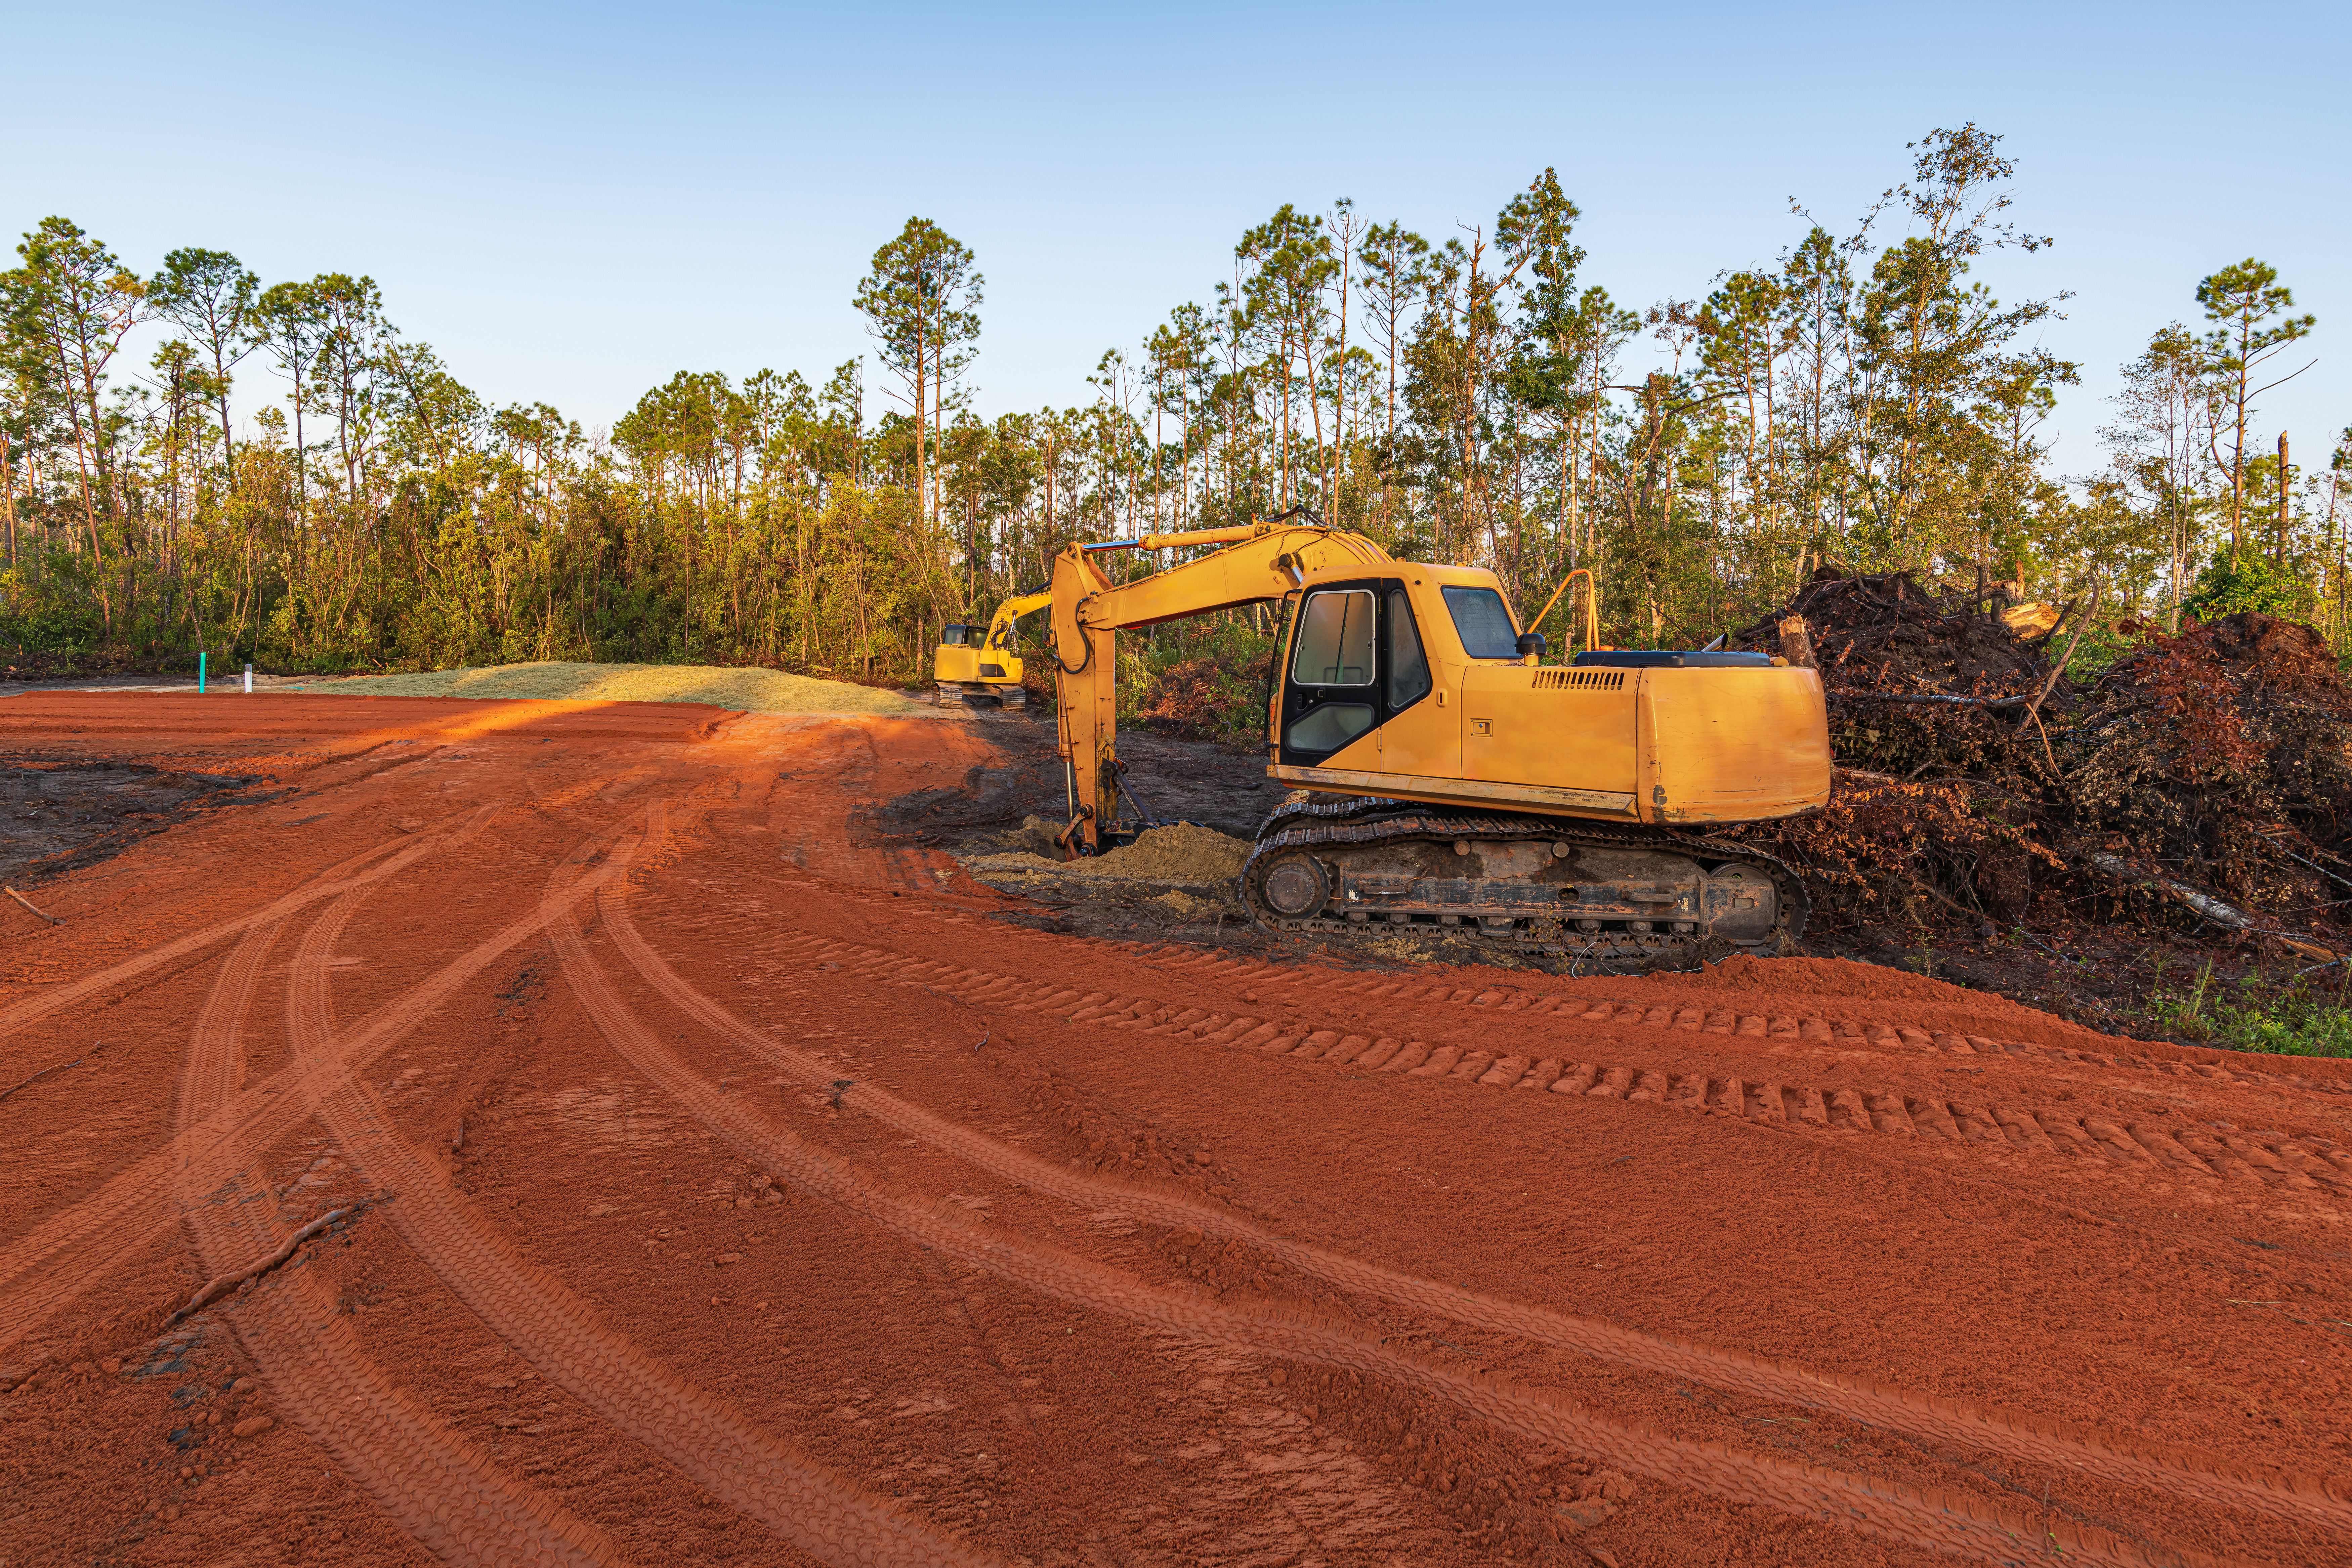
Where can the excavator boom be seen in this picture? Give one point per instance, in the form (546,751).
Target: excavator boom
(1091,610)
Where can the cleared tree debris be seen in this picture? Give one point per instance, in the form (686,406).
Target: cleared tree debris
(2200,783)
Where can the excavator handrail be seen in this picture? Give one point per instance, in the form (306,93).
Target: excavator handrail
(1234,535)
(1592,605)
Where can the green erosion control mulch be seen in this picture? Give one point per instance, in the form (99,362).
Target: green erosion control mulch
(753,690)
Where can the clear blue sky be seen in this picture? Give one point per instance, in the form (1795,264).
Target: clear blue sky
(573,203)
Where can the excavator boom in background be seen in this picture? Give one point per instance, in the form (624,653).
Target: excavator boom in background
(1445,776)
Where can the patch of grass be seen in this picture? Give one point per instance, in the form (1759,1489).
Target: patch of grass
(752,688)
(2293,1018)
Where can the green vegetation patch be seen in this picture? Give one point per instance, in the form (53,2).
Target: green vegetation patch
(2296,1017)
(749,688)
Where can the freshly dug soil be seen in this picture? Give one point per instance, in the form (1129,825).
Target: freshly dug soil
(1180,852)
(714,1186)
(57,816)
(1178,781)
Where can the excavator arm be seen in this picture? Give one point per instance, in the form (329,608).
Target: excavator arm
(1260,562)
(999,629)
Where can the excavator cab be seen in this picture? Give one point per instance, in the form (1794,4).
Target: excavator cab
(1418,683)
(1355,664)
(1451,780)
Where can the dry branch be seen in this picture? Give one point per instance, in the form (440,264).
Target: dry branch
(45,1072)
(2063,660)
(2209,907)
(29,904)
(228,1282)
(1988,703)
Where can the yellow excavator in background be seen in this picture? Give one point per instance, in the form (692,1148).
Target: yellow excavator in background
(983,663)
(1445,776)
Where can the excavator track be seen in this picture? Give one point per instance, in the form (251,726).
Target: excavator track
(1616,900)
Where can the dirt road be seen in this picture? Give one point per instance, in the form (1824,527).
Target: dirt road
(711,1177)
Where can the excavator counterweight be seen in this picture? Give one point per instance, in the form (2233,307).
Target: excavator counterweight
(1443,775)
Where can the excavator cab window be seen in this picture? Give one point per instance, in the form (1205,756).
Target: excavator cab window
(1484,622)
(1408,666)
(1334,640)
(1274,665)
(954,635)
(1336,647)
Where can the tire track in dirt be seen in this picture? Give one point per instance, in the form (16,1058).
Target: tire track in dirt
(31,1009)
(825,1514)
(2159,1058)
(2167,1469)
(2087,1144)
(213,1063)
(438,1489)
(2176,1061)
(71,1250)
(1950,1522)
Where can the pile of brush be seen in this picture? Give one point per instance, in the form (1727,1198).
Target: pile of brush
(2200,782)
(2222,759)
(1886,634)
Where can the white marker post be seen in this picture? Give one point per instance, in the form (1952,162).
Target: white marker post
(248,680)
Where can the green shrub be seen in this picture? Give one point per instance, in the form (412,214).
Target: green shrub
(2246,580)
(1207,684)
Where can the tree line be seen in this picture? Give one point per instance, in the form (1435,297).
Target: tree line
(1863,402)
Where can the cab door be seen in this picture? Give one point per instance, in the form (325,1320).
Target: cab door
(1420,736)
(1354,662)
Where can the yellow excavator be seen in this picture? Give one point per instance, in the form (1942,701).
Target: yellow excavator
(1443,775)
(983,664)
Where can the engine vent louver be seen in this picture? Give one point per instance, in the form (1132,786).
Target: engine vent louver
(1579,679)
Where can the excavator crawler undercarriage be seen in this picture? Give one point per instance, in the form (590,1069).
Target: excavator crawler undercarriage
(1623,900)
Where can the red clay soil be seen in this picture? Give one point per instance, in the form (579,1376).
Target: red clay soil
(707,1188)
